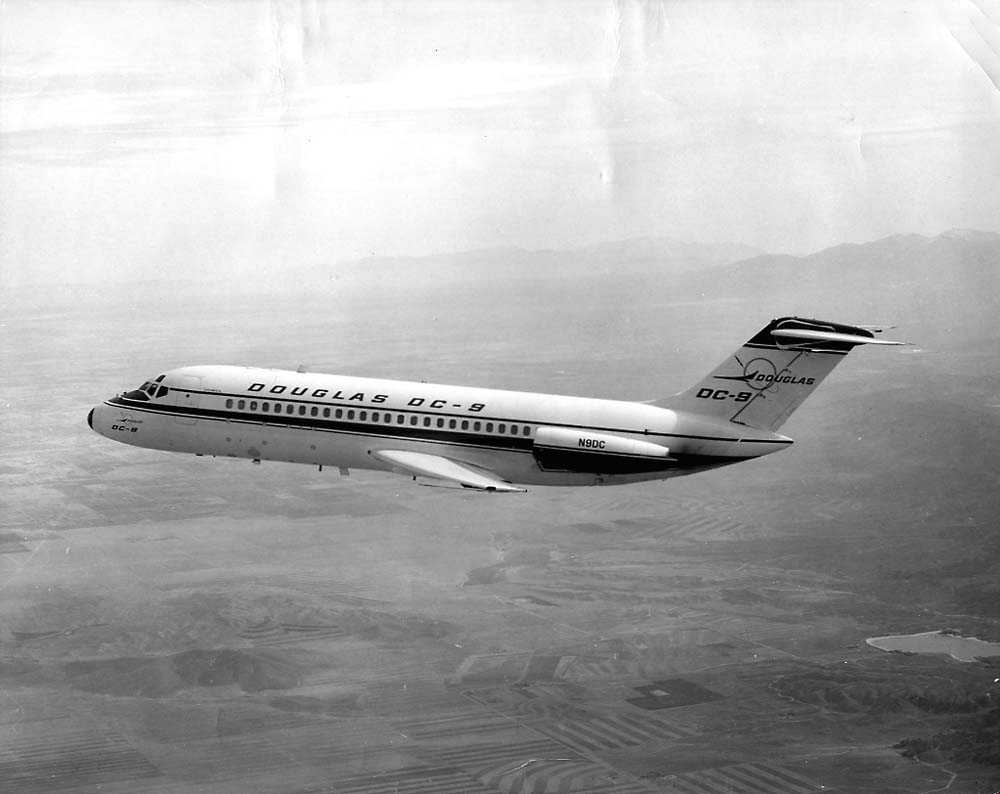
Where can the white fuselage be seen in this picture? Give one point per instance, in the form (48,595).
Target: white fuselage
(332,420)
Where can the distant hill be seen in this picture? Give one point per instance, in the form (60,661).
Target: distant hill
(663,254)
(941,288)
(891,261)
(896,277)
(943,291)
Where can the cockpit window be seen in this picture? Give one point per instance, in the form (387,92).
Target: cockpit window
(140,393)
(148,389)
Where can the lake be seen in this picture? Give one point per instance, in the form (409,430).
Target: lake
(964,649)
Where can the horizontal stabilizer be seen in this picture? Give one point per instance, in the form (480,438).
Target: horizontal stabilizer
(421,464)
(802,336)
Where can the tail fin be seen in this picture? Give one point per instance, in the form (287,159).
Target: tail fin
(770,376)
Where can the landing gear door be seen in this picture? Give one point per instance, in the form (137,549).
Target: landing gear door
(187,392)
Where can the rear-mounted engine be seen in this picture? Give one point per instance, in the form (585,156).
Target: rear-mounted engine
(563,449)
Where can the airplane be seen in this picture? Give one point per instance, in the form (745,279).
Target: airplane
(486,439)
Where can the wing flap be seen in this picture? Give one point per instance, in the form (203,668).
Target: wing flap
(422,464)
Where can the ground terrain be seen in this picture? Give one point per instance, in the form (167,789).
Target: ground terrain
(172,623)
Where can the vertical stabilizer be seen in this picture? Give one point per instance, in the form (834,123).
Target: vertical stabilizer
(772,374)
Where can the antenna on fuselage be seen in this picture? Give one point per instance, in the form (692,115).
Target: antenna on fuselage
(301,368)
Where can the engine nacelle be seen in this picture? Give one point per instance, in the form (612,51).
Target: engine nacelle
(588,441)
(560,448)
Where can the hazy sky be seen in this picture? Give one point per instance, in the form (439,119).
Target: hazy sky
(142,138)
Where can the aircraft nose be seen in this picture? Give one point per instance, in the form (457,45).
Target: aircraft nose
(90,419)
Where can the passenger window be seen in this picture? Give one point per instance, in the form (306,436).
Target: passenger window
(388,418)
(476,426)
(362,416)
(289,409)
(350,414)
(440,422)
(374,416)
(265,407)
(400,419)
(465,424)
(302,410)
(229,403)
(326,413)
(489,427)
(241,404)
(452,423)
(253,405)
(427,421)
(339,414)
(526,430)
(314,411)
(513,430)
(413,420)
(501,428)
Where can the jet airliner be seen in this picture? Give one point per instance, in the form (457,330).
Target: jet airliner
(486,439)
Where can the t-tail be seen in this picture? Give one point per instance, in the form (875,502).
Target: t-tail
(772,374)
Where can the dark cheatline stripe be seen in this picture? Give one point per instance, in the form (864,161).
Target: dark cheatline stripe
(549,458)
(394,430)
(376,430)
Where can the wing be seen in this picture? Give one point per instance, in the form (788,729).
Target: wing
(420,464)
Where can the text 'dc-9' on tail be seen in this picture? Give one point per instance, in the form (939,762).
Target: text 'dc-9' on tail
(771,374)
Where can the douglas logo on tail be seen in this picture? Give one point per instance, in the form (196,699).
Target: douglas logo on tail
(761,374)
(486,439)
